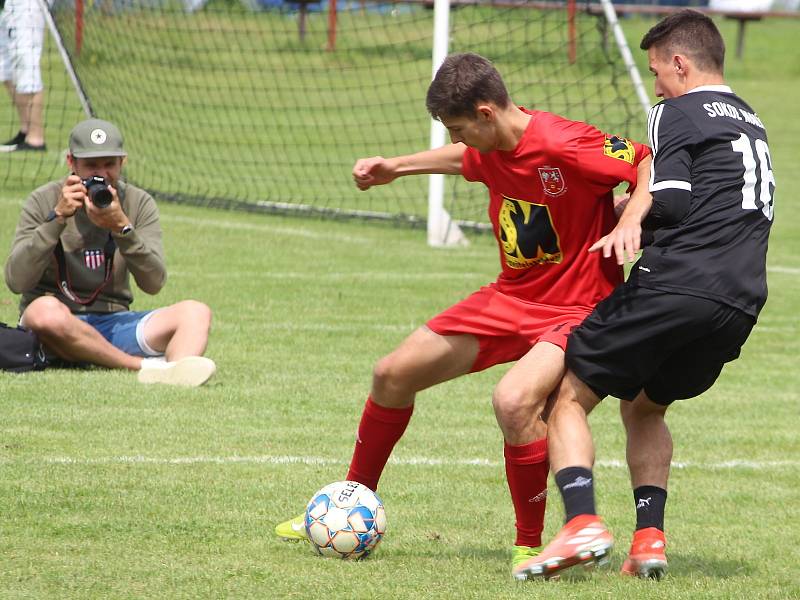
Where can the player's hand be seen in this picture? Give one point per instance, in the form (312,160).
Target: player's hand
(73,195)
(625,240)
(372,171)
(111,217)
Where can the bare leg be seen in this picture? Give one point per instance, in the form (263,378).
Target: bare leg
(13,95)
(422,360)
(30,108)
(583,540)
(31,116)
(179,330)
(649,447)
(568,434)
(519,404)
(72,339)
(519,399)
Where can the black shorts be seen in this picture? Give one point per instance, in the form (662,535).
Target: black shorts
(672,346)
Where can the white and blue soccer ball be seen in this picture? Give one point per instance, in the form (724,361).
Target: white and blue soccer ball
(345,520)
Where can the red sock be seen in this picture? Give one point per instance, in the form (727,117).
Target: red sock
(378,432)
(526,471)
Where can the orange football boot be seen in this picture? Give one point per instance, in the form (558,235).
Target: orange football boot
(646,558)
(585,541)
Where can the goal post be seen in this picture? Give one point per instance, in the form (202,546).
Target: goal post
(442,230)
(224,104)
(610,14)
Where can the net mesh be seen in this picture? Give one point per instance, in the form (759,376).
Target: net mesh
(254,105)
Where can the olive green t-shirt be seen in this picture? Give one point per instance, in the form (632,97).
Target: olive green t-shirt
(31,267)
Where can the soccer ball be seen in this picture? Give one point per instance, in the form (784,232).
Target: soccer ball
(345,520)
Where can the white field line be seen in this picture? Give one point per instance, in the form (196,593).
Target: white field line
(371,275)
(348,327)
(736,464)
(326,235)
(771,329)
(266,227)
(787,270)
(347,276)
(377,275)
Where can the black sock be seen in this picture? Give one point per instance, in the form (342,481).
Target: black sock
(577,490)
(650,501)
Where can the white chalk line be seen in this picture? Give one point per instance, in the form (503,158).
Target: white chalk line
(347,327)
(336,275)
(372,275)
(734,464)
(328,235)
(787,270)
(266,227)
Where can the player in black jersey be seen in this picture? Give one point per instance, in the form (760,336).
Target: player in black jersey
(689,304)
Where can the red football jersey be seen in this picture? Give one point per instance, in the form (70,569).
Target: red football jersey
(550,199)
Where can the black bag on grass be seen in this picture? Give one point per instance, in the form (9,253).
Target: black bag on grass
(20,350)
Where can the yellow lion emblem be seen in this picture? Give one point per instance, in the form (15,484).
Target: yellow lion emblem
(619,148)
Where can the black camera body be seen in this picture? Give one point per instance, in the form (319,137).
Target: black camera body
(97,188)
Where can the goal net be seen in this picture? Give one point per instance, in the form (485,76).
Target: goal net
(266,105)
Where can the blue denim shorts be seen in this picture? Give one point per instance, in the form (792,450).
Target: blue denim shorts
(124,330)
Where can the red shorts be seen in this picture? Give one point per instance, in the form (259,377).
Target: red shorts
(507,327)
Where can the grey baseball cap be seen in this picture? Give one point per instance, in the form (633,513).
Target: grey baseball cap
(94,138)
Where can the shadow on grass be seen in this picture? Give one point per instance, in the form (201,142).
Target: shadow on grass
(692,566)
(681,566)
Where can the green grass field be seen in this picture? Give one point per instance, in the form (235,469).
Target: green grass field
(228,105)
(109,489)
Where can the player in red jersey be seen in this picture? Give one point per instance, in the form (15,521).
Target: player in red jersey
(551,185)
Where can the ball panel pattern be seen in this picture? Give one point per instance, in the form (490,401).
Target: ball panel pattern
(346,520)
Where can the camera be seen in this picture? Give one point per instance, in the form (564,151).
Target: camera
(97,188)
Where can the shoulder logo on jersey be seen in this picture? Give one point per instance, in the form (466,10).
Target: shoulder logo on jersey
(527,236)
(619,148)
(552,181)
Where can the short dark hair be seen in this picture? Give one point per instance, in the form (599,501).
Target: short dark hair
(692,33)
(461,83)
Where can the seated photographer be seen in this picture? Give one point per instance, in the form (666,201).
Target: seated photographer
(76,243)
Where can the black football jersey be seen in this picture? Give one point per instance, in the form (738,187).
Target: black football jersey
(711,143)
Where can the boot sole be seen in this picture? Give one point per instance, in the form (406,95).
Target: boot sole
(551,569)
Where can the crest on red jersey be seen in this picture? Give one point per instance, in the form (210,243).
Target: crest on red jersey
(552,181)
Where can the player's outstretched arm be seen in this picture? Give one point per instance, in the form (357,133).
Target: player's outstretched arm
(378,170)
(626,238)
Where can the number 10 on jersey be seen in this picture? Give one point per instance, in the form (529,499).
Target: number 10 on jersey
(762,161)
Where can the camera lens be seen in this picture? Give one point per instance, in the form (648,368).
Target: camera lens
(100,196)
(97,189)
